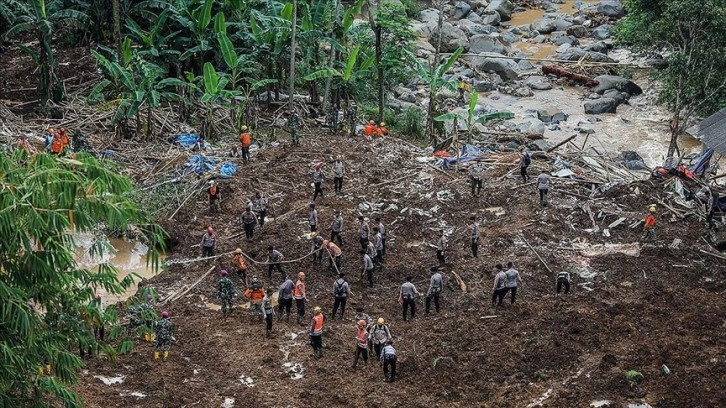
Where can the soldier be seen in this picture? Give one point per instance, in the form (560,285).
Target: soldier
(260,207)
(338,172)
(474,227)
(336,228)
(139,314)
(226,293)
(164,335)
(293,121)
(269,312)
(249,221)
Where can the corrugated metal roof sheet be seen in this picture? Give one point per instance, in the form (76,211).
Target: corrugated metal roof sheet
(712,131)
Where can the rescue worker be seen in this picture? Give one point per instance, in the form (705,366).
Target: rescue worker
(318,178)
(388,359)
(239,260)
(249,220)
(341,292)
(441,246)
(407,297)
(316,332)
(476,174)
(284,298)
(338,172)
(474,227)
(274,259)
(563,279)
(382,231)
(370,128)
(512,279)
(462,88)
(164,335)
(293,122)
(226,293)
(378,245)
(49,138)
(254,294)
(382,130)
(649,227)
(300,297)
(139,314)
(209,242)
(351,115)
(56,144)
(361,315)
(524,161)
(363,231)
(268,311)
(361,343)
(436,285)
(260,208)
(543,185)
(65,139)
(373,253)
(245,139)
(316,247)
(368,268)
(336,228)
(500,286)
(313,218)
(379,336)
(335,254)
(215,196)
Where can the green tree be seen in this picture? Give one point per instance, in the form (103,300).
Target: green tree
(45,312)
(694,79)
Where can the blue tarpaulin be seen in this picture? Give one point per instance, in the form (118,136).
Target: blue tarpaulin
(468,153)
(186,140)
(227,169)
(703,162)
(199,164)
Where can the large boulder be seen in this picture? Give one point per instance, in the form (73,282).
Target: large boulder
(563,24)
(601,105)
(538,82)
(429,16)
(451,38)
(471,28)
(503,7)
(597,46)
(544,25)
(561,37)
(574,54)
(422,29)
(601,32)
(486,43)
(490,17)
(611,8)
(474,17)
(461,10)
(505,68)
(620,97)
(424,48)
(607,82)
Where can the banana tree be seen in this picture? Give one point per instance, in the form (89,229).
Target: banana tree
(269,31)
(469,120)
(348,74)
(212,86)
(33,16)
(195,20)
(155,43)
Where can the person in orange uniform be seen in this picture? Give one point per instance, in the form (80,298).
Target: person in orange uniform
(361,343)
(336,255)
(370,128)
(56,144)
(300,297)
(255,293)
(649,229)
(382,130)
(245,140)
(65,139)
(239,260)
(316,332)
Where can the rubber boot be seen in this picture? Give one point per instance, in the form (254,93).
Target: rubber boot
(166,355)
(156,355)
(268,333)
(40,370)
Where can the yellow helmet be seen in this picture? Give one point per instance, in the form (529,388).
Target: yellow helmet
(317,309)
(238,251)
(652,209)
(313,234)
(382,124)
(380,320)
(244,127)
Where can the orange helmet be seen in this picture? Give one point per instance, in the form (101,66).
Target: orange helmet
(301,275)
(210,230)
(361,323)
(318,165)
(325,242)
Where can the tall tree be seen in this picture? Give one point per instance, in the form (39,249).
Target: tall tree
(439,4)
(291,86)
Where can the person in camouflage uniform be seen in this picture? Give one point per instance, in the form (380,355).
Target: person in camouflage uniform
(351,116)
(226,293)
(293,122)
(139,314)
(164,330)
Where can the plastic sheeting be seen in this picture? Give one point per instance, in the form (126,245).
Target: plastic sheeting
(199,164)
(703,162)
(468,153)
(187,140)
(227,169)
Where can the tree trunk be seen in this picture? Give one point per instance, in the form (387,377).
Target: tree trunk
(117,25)
(331,59)
(433,87)
(291,87)
(379,65)
(149,123)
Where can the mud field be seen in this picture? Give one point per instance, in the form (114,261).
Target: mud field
(631,307)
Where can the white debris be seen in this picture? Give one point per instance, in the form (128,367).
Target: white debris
(111,380)
(601,403)
(296,370)
(245,380)
(228,403)
(126,393)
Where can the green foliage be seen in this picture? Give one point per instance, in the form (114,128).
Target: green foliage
(397,41)
(413,8)
(634,376)
(47,303)
(412,123)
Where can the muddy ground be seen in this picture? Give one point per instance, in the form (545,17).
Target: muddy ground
(663,306)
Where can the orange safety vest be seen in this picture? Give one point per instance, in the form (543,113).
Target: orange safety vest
(244,138)
(318,324)
(255,295)
(299,290)
(334,250)
(649,220)
(361,339)
(213,191)
(369,129)
(56,145)
(240,260)
(381,131)
(64,140)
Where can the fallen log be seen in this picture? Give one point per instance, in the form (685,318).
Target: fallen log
(460,281)
(551,149)
(572,76)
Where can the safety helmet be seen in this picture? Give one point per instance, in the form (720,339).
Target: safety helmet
(361,323)
(652,209)
(238,251)
(149,297)
(62,129)
(301,275)
(164,314)
(317,309)
(223,272)
(51,130)
(338,157)
(243,127)
(380,320)
(382,124)
(211,182)
(325,242)
(318,165)
(313,234)
(210,230)
(371,122)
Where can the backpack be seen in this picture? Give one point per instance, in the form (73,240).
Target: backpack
(527,160)
(339,289)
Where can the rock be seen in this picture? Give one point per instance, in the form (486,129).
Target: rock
(540,39)
(474,17)
(510,38)
(451,38)
(601,32)
(636,165)
(503,7)
(597,46)
(629,155)
(562,24)
(619,97)
(544,116)
(399,105)
(611,8)
(606,82)
(549,7)
(466,72)
(506,68)
(579,20)
(540,83)
(489,84)
(461,10)
(422,29)
(477,4)
(471,28)
(531,127)
(540,144)
(424,48)
(486,43)
(574,54)
(561,37)
(558,117)
(524,65)
(408,97)
(544,25)
(562,48)
(429,16)
(522,92)
(490,17)
(602,105)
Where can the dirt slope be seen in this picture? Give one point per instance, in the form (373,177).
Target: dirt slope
(663,306)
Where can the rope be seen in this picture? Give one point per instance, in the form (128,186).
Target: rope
(172,261)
